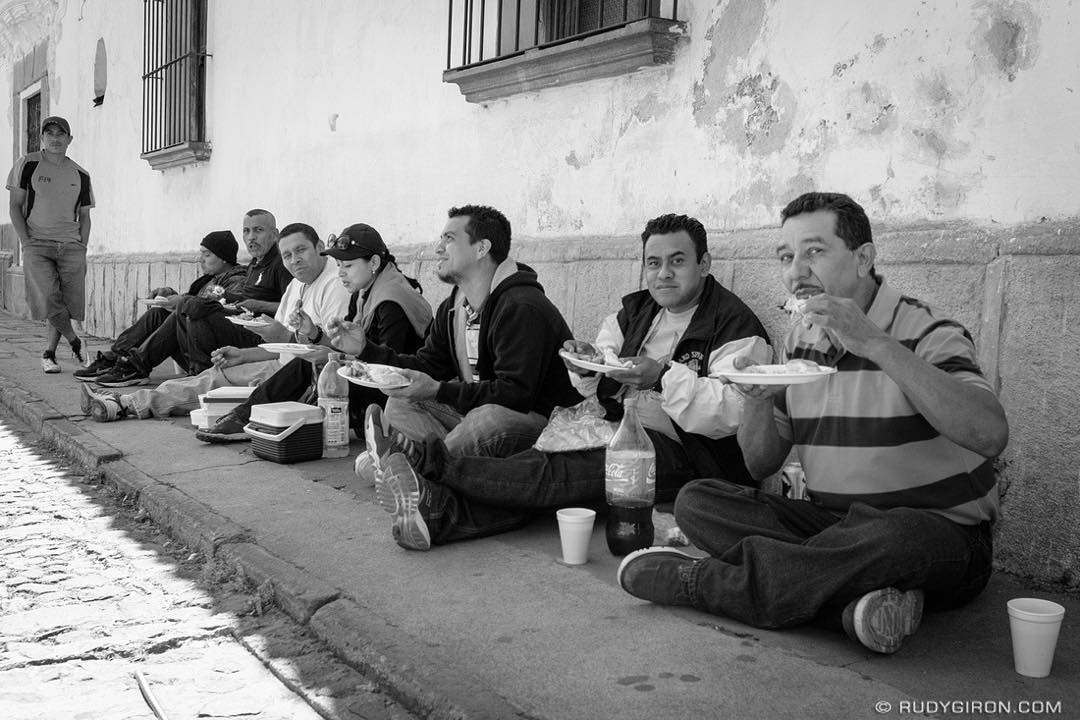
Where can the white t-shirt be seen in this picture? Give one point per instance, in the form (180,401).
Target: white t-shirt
(324,299)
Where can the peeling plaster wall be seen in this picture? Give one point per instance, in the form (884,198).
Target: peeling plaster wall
(920,110)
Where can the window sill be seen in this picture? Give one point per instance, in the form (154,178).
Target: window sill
(183,154)
(643,43)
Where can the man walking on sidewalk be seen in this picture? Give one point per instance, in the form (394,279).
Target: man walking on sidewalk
(50,201)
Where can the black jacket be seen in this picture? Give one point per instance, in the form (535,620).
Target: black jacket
(521,333)
(720,318)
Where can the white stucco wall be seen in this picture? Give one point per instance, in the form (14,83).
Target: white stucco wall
(920,110)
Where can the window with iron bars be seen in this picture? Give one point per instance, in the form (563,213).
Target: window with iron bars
(483,35)
(174,82)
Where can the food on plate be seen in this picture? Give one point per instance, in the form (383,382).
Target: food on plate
(610,358)
(791,367)
(377,375)
(606,356)
(247,315)
(800,366)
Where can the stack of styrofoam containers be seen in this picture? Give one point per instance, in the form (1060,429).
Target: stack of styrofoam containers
(217,403)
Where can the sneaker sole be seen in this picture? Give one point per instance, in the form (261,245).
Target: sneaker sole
(132,382)
(85,399)
(104,410)
(371,438)
(222,438)
(86,378)
(884,618)
(398,491)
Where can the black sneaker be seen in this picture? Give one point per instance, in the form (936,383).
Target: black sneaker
(48,363)
(382,440)
(881,619)
(658,574)
(229,429)
(123,374)
(76,351)
(101,406)
(400,490)
(103,363)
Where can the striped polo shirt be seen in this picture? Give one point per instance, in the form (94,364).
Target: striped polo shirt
(861,440)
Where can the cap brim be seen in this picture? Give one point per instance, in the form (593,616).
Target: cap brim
(342,254)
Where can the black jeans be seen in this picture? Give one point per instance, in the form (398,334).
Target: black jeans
(141,329)
(471,496)
(777,562)
(189,341)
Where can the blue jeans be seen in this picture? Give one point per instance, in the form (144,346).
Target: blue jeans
(489,430)
(469,497)
(776,562)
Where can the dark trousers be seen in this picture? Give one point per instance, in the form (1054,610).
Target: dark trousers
(776,562)
(162,344)
(140,330)
(190,341)
(476,496)
(294,380)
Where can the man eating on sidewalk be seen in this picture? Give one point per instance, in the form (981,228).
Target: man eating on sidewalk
(489,373)
(311,301)
(198,324)
(670,337)
(897,447)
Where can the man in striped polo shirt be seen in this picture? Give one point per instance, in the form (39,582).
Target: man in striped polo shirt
(897,447)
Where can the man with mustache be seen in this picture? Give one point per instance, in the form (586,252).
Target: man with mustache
(198,325)
(897,447)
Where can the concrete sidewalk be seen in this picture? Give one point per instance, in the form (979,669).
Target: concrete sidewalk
(497,627)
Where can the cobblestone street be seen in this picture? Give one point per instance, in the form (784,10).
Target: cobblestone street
(88,598)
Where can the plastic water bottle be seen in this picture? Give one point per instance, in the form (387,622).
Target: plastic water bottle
(630,484)
(334,400)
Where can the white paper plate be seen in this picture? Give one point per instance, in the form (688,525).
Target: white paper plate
(343,371)
(777,375)
(237,320)
(290,348)
(588,365)
(155,302)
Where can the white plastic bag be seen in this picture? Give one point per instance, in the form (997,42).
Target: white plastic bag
(581,427)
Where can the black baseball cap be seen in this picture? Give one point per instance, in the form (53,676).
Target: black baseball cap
(358,241)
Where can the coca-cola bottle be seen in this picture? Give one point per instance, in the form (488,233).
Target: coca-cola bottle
(630,484)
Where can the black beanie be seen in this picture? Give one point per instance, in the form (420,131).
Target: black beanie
(223,244)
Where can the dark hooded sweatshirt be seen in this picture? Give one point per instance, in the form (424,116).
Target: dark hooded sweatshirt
(521,332)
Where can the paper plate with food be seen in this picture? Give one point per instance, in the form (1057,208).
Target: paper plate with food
(248,319)
(298,349)
(373,375)
(601,362)
(793,372)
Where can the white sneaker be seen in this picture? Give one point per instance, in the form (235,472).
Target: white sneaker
(48,363)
